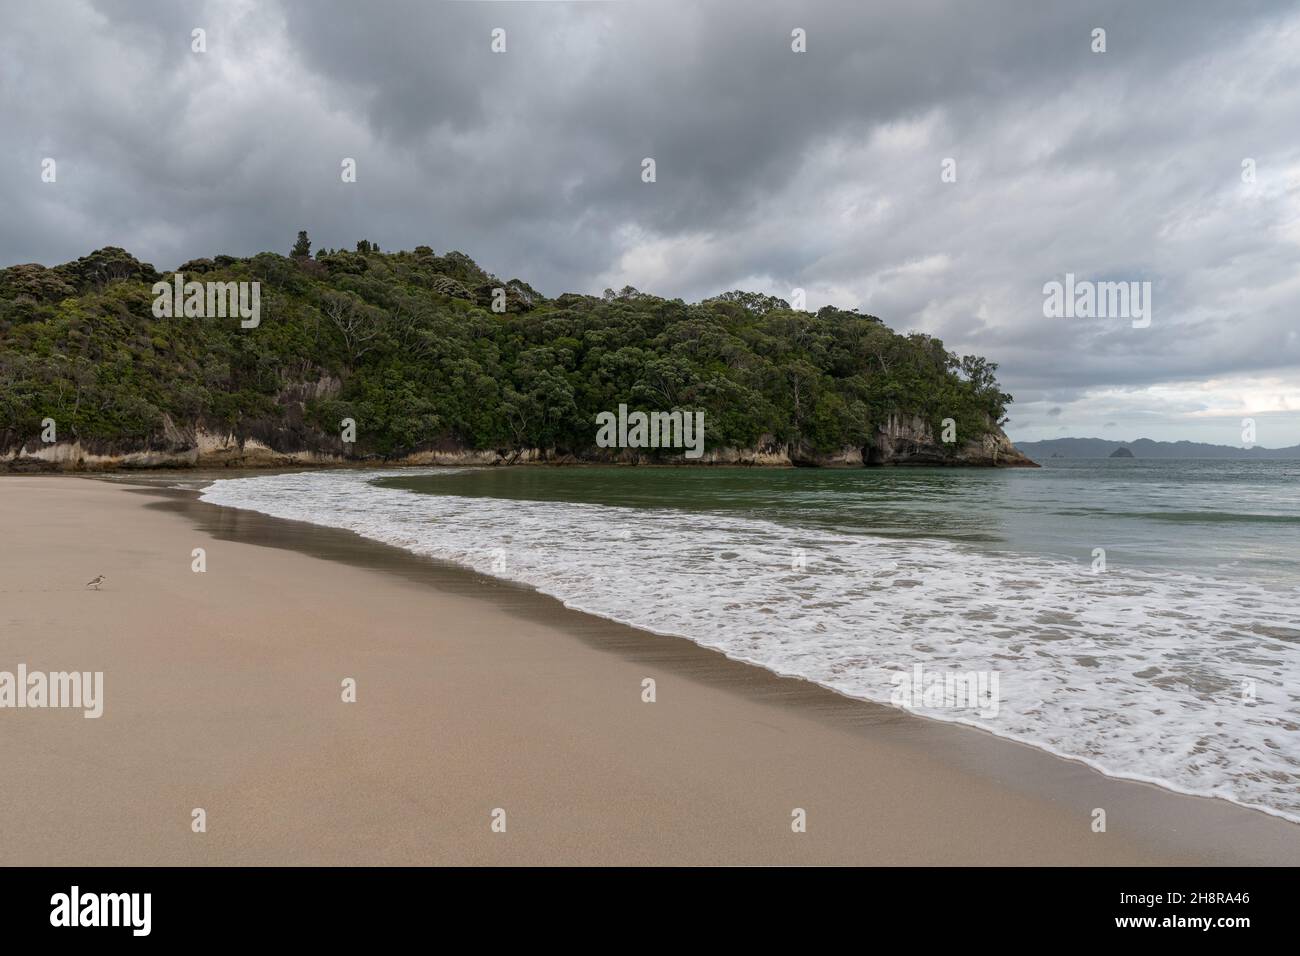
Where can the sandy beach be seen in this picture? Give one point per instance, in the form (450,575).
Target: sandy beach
(223,691)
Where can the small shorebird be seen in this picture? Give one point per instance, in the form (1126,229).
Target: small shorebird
(99,579)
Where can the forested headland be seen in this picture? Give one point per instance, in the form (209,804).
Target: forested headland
(409,347)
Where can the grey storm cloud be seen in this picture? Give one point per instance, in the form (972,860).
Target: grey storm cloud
(775,170)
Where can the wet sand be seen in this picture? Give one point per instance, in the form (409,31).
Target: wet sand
(223,692)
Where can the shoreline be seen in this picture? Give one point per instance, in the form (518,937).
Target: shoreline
(565,608)
(708,773)
(32,466)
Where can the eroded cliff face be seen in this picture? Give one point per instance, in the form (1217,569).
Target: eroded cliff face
(901,440)
(909,440)
(200,449)
(203,449)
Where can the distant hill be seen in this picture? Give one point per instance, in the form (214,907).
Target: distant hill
(1144,448)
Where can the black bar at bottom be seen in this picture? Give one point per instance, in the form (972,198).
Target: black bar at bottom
(966,906)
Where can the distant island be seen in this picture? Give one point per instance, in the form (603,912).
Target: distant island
(414,357)
(1145,448)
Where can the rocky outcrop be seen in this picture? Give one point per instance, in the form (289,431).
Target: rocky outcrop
(183,448)
(290,442)
(909,440)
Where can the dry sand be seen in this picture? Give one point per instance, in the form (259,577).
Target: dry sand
(223,691)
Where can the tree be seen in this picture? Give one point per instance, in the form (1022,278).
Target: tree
(356,321)
(301,248)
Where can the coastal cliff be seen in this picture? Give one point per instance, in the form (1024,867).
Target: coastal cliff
(909,440)
(418,358)
(903,440)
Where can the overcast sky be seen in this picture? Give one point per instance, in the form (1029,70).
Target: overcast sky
(775,170)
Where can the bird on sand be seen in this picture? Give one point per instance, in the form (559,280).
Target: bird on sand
(99,579)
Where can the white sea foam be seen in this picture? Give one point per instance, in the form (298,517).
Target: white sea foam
(1139,674)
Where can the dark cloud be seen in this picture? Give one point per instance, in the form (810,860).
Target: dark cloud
(775,169)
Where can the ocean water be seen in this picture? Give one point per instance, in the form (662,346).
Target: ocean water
(1176,661)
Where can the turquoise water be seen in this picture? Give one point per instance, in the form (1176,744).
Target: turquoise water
(1177,661)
